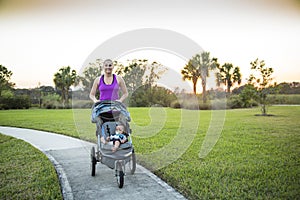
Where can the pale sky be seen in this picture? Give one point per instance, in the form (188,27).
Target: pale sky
(38,37)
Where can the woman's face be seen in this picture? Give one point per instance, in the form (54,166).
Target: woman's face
(108,67)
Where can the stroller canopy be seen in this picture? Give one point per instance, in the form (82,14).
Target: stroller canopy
(109,107)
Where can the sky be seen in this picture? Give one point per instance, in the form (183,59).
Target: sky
(38,37)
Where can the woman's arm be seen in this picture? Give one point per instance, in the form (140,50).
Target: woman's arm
(94,90)
(123,89)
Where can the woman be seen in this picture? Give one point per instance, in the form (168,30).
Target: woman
(109,85)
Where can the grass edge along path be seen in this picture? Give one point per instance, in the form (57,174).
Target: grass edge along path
(25,172)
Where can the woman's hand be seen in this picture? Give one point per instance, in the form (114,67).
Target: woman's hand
(96,100)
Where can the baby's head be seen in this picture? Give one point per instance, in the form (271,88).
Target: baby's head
(120,128)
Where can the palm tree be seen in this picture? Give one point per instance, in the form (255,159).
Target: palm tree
(190,72)
(228,75)
(204,64)
(63,79)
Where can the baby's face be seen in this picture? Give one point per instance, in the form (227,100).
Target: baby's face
(120,129)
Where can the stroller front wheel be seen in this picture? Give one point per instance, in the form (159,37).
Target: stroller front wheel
(120,175)
(93,162)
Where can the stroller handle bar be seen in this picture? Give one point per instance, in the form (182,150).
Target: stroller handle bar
(109,106)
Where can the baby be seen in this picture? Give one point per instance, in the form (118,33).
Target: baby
(120,136)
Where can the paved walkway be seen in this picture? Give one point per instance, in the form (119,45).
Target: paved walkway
(71,158)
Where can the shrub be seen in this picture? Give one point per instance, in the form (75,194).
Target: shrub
(190,103)
(205,106)
(175,104)
(51,101)
(82,104)
(218,104)
(16,102)
(237,101)
(284,99)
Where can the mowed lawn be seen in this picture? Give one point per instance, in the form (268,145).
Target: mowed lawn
(25,172)
(255,157)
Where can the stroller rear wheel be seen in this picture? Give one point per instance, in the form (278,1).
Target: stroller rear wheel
(132,163)
(94,161)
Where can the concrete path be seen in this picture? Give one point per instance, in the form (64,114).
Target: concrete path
(71,158)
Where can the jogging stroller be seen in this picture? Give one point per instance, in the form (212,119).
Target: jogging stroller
(107,115)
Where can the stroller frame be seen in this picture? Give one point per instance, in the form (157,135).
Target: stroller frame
(106,115)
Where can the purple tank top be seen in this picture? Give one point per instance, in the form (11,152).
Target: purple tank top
(109,92)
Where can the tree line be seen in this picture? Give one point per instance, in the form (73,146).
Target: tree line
(258,85)
(141,76)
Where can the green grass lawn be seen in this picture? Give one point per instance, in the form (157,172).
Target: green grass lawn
(255,157)
(25,172)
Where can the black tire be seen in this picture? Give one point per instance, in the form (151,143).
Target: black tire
(120,175)
(132,163)
(94,161)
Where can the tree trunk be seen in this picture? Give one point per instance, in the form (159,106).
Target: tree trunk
(67,97)
(204,91)
(263,109)
(63,97)
(263,103)
(228,90)
(195,86)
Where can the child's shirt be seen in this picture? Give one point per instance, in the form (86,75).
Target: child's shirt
(117,136)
